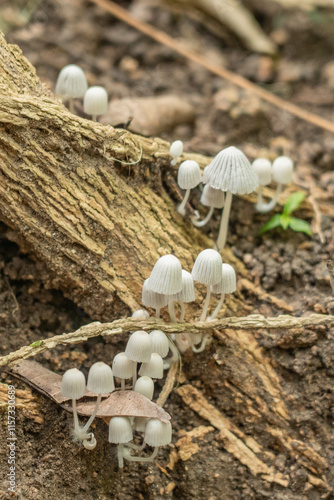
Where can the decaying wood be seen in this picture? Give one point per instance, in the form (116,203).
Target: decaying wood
(123,326)
(24,402)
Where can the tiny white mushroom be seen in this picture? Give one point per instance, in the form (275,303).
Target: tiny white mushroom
(208,271)
(71,84)
(122,368)
(166,278)
(145,386)
(213,198)
(95,101)
(140,314)
(228,284)
(120,432)
(229,171)
(139,350)
(176,150)
(160,342)
(157,434)
(73,385)
(188,177)
(152,299)
(154,368)
(187,293)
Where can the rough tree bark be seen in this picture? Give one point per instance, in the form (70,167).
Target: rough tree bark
(99,225)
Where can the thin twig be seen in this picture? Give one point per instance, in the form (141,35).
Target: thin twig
(238,80)
(123,326)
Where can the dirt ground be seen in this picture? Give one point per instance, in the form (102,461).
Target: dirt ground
(289,266)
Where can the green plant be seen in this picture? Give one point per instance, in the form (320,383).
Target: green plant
(285,220)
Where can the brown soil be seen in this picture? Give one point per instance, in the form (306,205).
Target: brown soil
(289,266)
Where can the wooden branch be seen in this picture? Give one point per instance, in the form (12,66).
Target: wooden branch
(123,326)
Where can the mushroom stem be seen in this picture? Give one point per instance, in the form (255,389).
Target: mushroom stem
(203,344)
(127,455)
(94,118)
(206,304)
(201,223)
(71,105)
(134,373)
(219,305)
(120,455)
(91,443)
(75,415)
(224,222)
(183,312)
(181,208)
(136,446)
(157,313)
(122,384)
(91,418)
(264,208)
(175,355)
(171,309)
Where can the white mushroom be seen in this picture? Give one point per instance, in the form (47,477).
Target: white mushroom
(208,271)
(95,102)
(71,84)
(188,177)
(213,198)
(228,284)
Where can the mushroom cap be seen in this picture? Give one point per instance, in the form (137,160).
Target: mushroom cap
(95,101)
(120,430)
(160,342)
(145,386)
(282,170)
(158,433)
(189,174)
(139,347)
(176,148)
(208,267)
(231,171)
(153,299)
(73,384)
(100,378)
(122,366)
(140,314)
(154,368)
(71,82)
(262,168)
(187,293)
(166,276)
(212,197)
(228,283)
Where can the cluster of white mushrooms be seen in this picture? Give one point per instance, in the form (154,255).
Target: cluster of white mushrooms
(169,283)
(229,173)
(72,84)
(149,349)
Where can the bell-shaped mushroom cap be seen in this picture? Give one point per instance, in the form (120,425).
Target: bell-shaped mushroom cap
(189,174)
(139,423)
(228,283)
(122,366)
(176,148)
(153,299)
(73,384)
(140,314)
(208,267)
(160,342)
(212,197)
(154,368)
(166,276)
(262,168)
(120,430)
(71,82)
(139,347)
(95,101)
(158,433)
(282,170)
(145,386)
(231,171)
(100,378)
(187,293)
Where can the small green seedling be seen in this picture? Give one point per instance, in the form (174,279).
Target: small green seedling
(285,220)
(37,343)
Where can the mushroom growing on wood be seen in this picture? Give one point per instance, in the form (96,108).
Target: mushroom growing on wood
(213,198)
(208,271)
(188,177)
(152,299)
(157,434)
(139,350)
(176,150)
(187,293)
(71,84)
(231,172)
(95,102)
(228,284)
(122,368)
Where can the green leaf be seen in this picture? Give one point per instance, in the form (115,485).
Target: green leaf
(37,343)
(275,221)
(293,202)
(285,220)
(300,225)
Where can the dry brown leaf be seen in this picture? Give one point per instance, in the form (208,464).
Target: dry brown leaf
(149,115)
